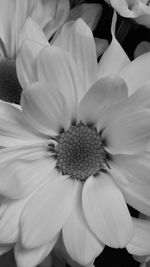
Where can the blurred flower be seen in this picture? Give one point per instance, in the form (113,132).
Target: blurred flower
(91,14)
(75,152)
(49,14)
(142,48)
(139,10)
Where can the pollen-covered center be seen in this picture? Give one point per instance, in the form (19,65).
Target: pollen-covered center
(80,152)
(10,89)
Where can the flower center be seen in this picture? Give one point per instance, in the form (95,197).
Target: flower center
(10,89)
(80,152)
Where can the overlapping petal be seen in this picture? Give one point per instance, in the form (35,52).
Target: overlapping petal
(20,178)
(52,205)
(26,62)
(114,58)
(103,94)
(32,257)
(129,133)
(140,245)
(77,39)
(45,107)
(57,67)
(14,129)
(105,209)
(80,242)
(136,189)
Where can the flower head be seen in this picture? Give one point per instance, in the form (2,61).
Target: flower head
(49,15)
(77,150)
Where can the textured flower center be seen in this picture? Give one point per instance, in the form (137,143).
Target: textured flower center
(80,152)
(10,89)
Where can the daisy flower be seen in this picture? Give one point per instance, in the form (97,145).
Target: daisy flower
(49,14)
(77,152)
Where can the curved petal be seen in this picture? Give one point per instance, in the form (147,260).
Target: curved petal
(32,257)
(129,133)
(9,224)
(59,12)
(77,38)
(80,242)
(45,108)
(20,178)
(90,13)
(14,129)
(26,62)
(57,67)
(105,209)
(136,189)
(138,68)
(114,58)
(47,211)
(104,93)
(33,32)
(140,243)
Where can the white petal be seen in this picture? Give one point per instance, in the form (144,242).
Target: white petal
(10,213)
(77,38)
(14,129)
(32,31)
(45,107)
(104,93)
(90,13)
(136,189)
(105,209)
(138,68)
(140,244)
(20,178)
(32,257)
(80,242)
(129,133)
(47,211)
(114,58)
(26,61)
(57,67)
(56,15)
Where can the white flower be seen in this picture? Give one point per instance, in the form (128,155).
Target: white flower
(49,14)
(76,152)
(139,10)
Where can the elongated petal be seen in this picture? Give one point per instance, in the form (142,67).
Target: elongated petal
(57,14)
(10,213)
(57,67)
(129,133)
(80,242)
(20,178)
(137,187)
(14,129)
(77,38)
(114,58)
(26,62)
(45,107)
(105,209)
(47,211)
(90,13)
(135,69)
(140,245)
(32,257)
(104,93)
(32,31)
